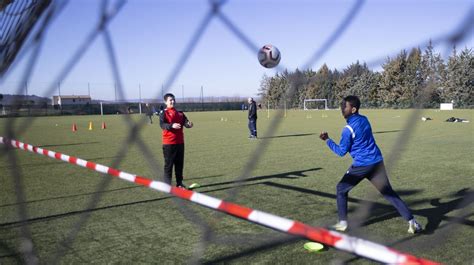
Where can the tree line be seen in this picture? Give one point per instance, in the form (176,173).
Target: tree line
(415,79)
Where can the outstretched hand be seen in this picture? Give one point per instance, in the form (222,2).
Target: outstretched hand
(189,124)
(324,136)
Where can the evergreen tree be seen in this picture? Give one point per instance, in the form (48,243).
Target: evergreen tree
(310,76)
(264,89)
(452,77)
(367,87)
(326,83)
(392,86)
(434,74)
(347,83)
(464,80)
(409,80)
(296,86)
(333,99)
(414,78)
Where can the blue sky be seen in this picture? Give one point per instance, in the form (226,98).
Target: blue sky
(149,37)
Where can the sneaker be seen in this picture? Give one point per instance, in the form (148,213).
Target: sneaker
(340,226)
(414,227)
(181,185)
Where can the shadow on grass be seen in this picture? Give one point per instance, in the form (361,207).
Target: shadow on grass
(287,135)
(438,213)
(10,253)
(392,131)
(292,239)
(376,206)
(284,240)
(431,214)
(72,213)
(57,162)
(435,215)
(71,196)
(70,144)
(286,175)
(205,177)
(383,212)
(86,193)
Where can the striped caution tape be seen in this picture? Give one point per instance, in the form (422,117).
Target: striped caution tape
(337,240)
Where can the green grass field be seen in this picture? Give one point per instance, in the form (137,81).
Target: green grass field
(295,178)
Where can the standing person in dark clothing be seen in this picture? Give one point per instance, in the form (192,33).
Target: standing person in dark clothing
(149,112)
(358,140)
(172,123)
(252,119)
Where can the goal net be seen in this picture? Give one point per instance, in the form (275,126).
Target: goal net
(315,104)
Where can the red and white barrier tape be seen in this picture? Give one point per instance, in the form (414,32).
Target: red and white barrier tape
(340,241)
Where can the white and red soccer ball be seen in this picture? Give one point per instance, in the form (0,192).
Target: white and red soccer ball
(269,56)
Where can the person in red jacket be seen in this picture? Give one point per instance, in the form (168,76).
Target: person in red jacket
(172,123)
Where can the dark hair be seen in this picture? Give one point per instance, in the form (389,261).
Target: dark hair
(168,95)
(354,101)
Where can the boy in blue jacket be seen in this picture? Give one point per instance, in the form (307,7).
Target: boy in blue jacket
(358,140)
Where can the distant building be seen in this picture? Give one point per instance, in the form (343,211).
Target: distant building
(71,100)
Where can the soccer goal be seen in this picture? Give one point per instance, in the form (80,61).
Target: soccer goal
(315,104)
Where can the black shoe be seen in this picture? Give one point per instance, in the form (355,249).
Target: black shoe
(181,185)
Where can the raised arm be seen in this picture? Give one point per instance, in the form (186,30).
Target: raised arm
(344,145)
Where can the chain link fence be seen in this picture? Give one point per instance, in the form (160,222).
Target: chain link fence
(109,11)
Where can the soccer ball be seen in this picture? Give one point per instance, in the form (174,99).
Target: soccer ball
(269,56)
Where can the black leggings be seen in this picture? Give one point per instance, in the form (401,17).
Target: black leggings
(174,155)
(377,175)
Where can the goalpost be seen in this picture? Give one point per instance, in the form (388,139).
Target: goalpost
(315,104)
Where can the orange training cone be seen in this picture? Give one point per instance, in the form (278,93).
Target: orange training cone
(74,127)
(103,126)
(90,126)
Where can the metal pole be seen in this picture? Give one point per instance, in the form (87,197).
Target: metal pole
(90,99)
(268,109)
(140,98)
(59,98)
(202,99)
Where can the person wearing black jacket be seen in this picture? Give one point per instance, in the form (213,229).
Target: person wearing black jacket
(149,112)
(252,119)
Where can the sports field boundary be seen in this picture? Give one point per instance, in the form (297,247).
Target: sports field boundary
(354,245)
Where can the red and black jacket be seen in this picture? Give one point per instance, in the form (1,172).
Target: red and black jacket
(169,116)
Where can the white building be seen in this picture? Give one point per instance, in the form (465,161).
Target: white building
(71,100)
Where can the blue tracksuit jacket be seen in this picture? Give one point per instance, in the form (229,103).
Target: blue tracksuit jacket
(357,138)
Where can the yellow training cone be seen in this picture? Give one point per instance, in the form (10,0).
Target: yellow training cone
(90,126)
